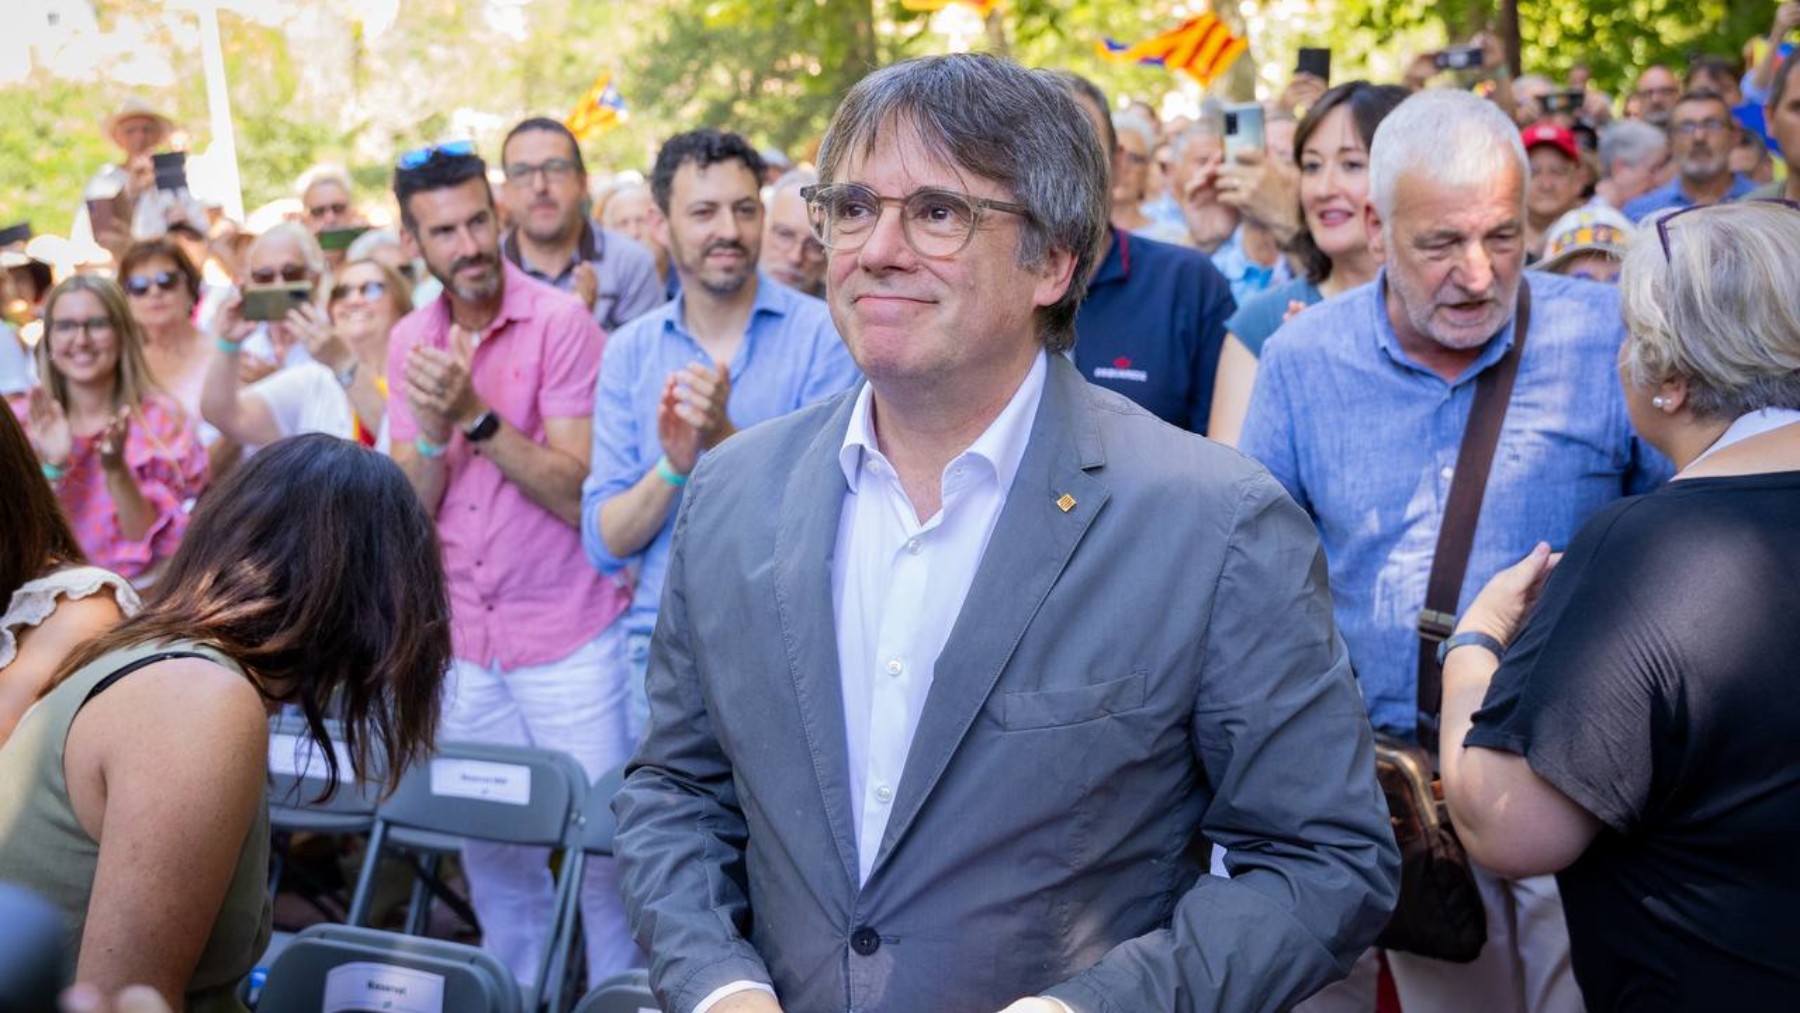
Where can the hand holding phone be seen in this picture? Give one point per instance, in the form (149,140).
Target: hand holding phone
(1243,129)
(270,303)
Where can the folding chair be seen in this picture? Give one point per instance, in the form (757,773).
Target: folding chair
(500,794)
(296,779)
(625,993)
(598,827)
(340,967)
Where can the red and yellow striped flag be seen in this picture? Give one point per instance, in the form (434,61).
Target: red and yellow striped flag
(1201,48)
(602,108)
(982,7)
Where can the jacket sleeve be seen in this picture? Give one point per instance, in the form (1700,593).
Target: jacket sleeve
(682,833)
(1288,754)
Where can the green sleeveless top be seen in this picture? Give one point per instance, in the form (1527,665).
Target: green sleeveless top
(43,846)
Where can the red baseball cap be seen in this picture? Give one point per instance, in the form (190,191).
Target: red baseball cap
(1555,135)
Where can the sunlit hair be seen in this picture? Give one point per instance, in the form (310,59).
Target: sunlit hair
(310,253)
(36,538)
(144,252)
(315,567)
(1018,128)
(1722,310)
(1451,138)
(335,175)
(132,380)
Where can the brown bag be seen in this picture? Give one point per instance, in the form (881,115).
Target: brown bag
(1440,913)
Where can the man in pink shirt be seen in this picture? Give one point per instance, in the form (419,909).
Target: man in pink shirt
(492,391)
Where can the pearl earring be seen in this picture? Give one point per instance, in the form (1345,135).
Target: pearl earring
(1660,402)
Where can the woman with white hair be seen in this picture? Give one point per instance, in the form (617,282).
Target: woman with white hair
(1641,737)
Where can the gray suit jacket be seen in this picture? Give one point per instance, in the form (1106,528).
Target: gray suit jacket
(1155,664)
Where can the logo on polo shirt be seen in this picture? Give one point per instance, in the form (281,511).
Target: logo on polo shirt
(1121,370)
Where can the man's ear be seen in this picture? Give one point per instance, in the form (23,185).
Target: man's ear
(1054,279)
(1372,225)
(659,226)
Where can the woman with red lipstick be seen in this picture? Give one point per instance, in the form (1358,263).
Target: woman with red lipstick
(1331,148)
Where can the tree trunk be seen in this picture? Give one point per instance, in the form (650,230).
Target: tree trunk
(1238,83)
(1509,36)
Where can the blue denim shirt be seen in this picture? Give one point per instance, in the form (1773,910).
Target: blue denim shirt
(1671,196)
(1247,277)
(791,356)
(1366,440)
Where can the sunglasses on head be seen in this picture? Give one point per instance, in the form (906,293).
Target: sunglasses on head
(290,273)
(419,157)
(141,284)
(370,290)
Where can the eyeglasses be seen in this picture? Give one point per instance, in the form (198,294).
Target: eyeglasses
(290,273)
(787,238)
(1662,224)
(370,290)
(1688,128)
(937,223)
(1660,90)
(555,170)
(321,210)
(140,284)
(95,326)
(419,157)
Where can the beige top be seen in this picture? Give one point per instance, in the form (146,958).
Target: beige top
(43,846)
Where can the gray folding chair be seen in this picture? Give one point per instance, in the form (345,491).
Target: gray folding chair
(502,794)
(625,993)
(297,777)
(598,827)
(346,968)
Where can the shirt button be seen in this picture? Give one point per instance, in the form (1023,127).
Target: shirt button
(913,546)
(884,794)
(894,667)
(1446,474)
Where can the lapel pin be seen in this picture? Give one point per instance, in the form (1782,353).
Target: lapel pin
(1065,503)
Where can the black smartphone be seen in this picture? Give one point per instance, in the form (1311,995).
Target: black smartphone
(171,170)
(1563,101)
(272,302)
(1458,58)
(1316,62)
(331,240)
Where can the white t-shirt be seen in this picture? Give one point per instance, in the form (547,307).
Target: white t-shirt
(306,398)
(16,374)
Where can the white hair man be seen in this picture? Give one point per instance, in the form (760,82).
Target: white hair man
(790,253)
(1360,407)
(1634,156)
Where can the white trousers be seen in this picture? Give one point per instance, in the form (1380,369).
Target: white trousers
(1524,968)
(578,706)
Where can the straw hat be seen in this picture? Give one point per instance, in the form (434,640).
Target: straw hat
(135,108)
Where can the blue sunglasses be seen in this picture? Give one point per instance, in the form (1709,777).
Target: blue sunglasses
(419,157)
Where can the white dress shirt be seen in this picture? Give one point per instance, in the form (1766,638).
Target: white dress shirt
(897,587)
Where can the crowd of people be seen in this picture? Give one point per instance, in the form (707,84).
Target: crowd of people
(951,669)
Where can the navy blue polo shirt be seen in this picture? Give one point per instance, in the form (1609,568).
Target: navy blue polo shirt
(1151,327)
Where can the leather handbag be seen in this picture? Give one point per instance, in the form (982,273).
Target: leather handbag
(1440,913)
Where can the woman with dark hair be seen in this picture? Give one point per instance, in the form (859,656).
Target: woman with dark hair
(132,794)
(121,454)
(1331,147)
(54,601)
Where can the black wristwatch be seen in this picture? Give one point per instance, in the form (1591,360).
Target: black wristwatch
(484,427)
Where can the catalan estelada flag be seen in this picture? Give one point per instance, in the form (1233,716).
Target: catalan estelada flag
(1201,48)
(600,109)
(982,7)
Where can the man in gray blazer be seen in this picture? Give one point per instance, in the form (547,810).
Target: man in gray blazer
(956,675)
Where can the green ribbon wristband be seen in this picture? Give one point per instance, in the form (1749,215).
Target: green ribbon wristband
(52,472)
(228,347)
(426,448)
(667,472)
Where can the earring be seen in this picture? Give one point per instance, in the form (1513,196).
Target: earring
(1660,402)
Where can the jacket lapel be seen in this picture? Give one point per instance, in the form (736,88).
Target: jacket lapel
(805,539)
(1030,546)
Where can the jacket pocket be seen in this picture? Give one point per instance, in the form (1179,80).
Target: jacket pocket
(1054,708)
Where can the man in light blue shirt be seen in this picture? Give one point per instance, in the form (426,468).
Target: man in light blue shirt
(1701,136)
(733,349)
(1359,411)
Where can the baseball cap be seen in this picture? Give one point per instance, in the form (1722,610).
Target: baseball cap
(1555,135)
(1592,228)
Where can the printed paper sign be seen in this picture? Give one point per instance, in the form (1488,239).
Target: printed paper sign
(382,988)
(481,779)
(298,756)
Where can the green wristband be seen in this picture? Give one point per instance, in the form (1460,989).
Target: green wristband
(52,472)
(667,472)
(228,347)
(426,448)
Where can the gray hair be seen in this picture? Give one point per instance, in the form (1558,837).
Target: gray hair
(1449,137)
(1722,310)
(297,234)
(793,179)
(1633,142)
(333,174)
(1133,122)
(1206,126)
(1019,128)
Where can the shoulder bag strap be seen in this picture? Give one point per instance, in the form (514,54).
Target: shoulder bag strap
(1462,509)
